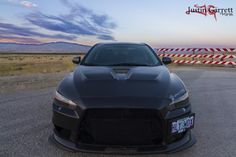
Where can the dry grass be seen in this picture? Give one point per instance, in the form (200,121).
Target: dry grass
(21,64)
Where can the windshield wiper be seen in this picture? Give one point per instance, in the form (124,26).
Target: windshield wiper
(91,64)
(118,64)
(129,64)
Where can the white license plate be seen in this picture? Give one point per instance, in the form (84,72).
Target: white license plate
(181,125)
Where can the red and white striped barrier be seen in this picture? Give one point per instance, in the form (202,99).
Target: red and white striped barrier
(202,57)
(205,62)
(186,62)
(199,56)
(224,59)
(219,62)
(197,49)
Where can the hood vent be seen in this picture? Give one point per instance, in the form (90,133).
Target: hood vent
(121,70)
(120,73)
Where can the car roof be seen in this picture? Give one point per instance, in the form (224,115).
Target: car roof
(120,43)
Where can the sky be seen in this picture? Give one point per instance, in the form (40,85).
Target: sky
(160,23)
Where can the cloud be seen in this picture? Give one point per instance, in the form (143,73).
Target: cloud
(28,4)
(19,39)
(23,3)
(105,37)
(58,24)
(13,30)
(79,21)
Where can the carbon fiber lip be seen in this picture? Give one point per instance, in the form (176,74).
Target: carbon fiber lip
(187,141)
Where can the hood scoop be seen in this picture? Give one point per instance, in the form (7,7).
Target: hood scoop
(121,70)
(120,73)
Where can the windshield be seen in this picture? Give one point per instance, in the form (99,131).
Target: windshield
(121,55)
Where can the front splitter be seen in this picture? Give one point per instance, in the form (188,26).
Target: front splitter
(187,141)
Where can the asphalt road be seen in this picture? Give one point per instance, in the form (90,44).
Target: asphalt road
(25,118)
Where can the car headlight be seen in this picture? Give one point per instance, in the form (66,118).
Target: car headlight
(67,102)
(179,100)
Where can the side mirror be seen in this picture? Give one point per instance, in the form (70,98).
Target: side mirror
(166,60)
(76,60)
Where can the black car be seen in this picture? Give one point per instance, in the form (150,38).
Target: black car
(121,98)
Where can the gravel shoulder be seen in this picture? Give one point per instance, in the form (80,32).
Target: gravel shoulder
(11,84)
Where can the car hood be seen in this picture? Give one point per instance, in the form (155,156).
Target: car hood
(117,82)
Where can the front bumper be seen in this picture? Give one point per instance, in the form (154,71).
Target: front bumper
(70,121)
(187,141)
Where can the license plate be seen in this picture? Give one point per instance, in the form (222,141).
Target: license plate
(180,125)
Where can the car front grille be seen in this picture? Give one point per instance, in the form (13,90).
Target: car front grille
(121,127)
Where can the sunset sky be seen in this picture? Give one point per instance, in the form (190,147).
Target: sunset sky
(159,23)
